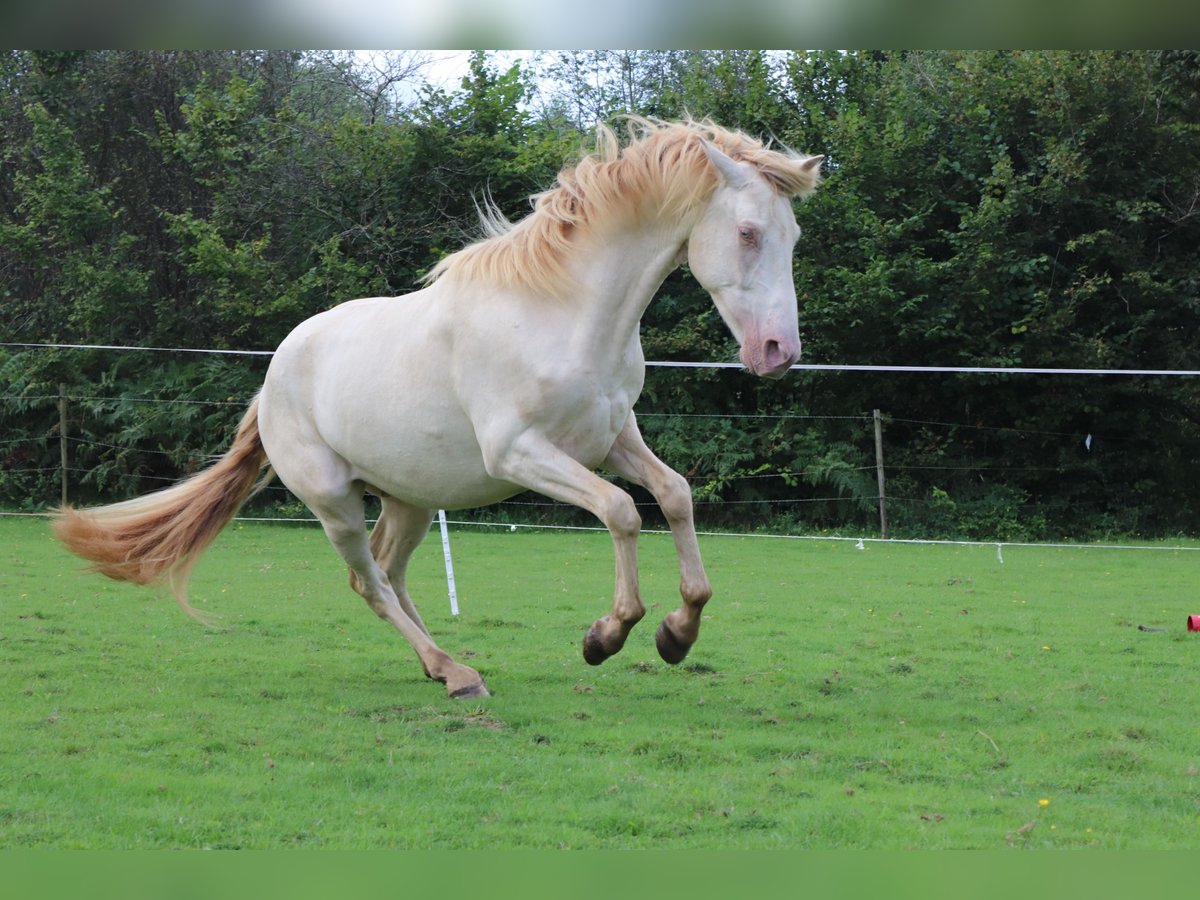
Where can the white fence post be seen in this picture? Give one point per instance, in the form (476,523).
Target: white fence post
(449,563)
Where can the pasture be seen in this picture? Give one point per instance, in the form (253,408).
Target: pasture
(899,696)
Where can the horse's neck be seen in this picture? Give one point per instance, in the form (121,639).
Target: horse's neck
(619,275)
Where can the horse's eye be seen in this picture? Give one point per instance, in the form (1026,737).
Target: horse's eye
(748,235)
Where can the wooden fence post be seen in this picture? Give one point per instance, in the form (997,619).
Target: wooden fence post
(62,438)
(883,525)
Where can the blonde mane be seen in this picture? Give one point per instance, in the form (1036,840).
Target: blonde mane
(661,174)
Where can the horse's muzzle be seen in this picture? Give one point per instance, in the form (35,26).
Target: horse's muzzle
(771,358)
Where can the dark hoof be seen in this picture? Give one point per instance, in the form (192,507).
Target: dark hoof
(670,648)
(593,649)
(479,689)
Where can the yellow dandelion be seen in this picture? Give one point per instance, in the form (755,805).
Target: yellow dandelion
(1043,803)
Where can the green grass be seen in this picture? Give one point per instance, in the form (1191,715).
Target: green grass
(899,696)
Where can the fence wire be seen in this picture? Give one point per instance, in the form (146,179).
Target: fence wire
(866,418)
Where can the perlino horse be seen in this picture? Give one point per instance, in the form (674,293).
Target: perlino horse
(516,367)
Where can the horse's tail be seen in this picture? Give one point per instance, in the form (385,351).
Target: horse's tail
(159,537)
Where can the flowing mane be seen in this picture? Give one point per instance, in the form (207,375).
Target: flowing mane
(661,174)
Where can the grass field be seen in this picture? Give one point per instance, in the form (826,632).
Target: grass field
(899,696)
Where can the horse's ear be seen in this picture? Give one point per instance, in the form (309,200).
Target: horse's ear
(813,162)
(732,173)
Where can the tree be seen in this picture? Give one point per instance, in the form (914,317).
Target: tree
(1010,209)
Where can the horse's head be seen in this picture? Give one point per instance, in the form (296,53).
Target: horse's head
(740,250)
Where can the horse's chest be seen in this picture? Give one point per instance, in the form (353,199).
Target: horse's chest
(583,418)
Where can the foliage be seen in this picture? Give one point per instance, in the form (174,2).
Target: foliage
(1037,209)
(1015,209)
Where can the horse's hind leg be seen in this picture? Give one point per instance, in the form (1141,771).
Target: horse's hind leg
(342,518)
(399,531)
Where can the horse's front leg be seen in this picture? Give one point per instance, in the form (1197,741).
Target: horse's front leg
(632,459)
(533,462)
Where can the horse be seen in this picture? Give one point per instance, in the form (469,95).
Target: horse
(515,366)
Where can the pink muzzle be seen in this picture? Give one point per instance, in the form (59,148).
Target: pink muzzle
(772,356)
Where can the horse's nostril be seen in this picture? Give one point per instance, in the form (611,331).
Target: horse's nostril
(777,357)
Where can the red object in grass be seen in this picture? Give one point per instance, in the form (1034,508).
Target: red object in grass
(1193,623)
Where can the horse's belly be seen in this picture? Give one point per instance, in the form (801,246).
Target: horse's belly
(437,462)
(429,459)
(444,480)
